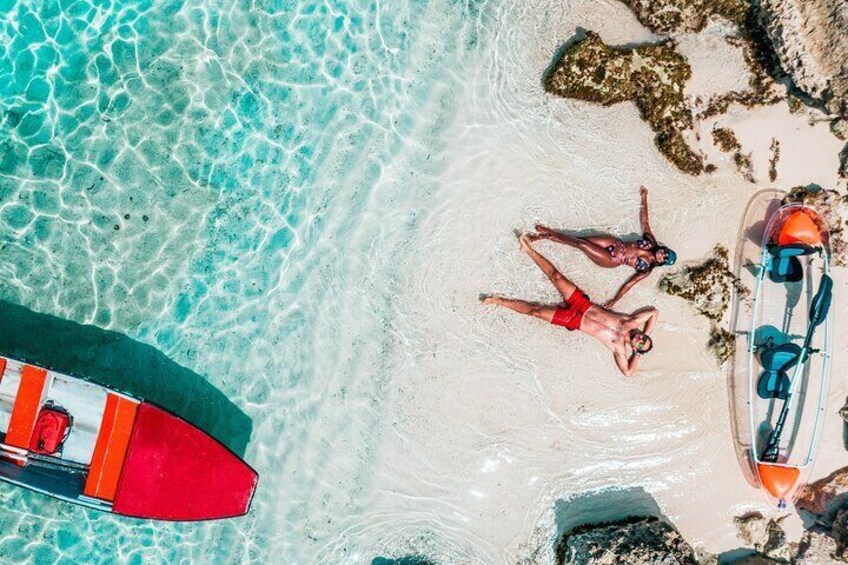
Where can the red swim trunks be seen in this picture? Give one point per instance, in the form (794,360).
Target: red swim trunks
(570,315)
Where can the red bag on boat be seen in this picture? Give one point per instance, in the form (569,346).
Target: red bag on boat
(51,429)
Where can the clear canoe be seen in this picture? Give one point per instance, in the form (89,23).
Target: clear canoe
(86,444)
(782,357)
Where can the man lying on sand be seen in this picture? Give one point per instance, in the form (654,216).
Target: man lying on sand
(617,331)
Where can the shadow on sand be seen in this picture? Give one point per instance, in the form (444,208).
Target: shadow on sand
(114,360)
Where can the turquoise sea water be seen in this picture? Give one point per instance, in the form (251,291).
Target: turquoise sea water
(232,183)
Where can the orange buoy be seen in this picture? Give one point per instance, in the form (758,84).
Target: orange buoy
(779,481)
(799,227)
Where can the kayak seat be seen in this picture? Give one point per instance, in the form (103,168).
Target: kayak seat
(776,362)
(785,265)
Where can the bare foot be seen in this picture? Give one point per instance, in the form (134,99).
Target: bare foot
(643,191)
(535,236)
(488,299)
(525,241)
(543,229)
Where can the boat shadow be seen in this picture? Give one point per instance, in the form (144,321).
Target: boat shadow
(116,361)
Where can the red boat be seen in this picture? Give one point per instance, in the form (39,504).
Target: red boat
(90,445)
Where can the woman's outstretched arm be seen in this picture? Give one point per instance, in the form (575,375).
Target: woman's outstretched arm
(643,213)
(625,288)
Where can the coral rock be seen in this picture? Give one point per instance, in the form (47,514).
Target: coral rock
(809,37)
(652,76)
(708,286)
(628,542)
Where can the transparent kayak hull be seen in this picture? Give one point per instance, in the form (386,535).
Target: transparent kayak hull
(782,257)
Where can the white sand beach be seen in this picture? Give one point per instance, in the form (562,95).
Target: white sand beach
(497,418)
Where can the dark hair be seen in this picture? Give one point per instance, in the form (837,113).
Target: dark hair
(646,345)
(670,256)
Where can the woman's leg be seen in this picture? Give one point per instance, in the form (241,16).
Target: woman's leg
(594,247)
(523,307)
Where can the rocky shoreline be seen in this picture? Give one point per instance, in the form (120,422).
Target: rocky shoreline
(653,539)
(793,49)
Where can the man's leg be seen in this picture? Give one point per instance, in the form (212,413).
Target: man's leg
(523,307)
(565,287)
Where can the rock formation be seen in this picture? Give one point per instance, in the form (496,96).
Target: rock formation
(708,285)
(651,76)
(627,542)
(686,16)
(809,38)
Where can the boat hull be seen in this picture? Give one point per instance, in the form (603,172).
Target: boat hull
(174,471)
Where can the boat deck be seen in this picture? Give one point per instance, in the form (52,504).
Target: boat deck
(85,402)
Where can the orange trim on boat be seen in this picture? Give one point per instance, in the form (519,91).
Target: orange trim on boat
(25,409)
(2,367)
(778,480)
(111,447)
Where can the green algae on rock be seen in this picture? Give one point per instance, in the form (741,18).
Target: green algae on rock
(722,343)
(726,140)
(652,76)
(708,285)
(773,160)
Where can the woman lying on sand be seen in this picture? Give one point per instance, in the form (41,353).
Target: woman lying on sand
(609,252)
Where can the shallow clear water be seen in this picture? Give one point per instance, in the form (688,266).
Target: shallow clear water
(220,180)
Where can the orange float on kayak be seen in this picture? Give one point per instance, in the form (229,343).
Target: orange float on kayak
(778,480)
(799,227)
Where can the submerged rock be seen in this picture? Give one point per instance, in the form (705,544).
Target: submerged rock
(809,38)
(708,286)
(627,542)
(726,140)
(834,209)
(690,16)
(651,76)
